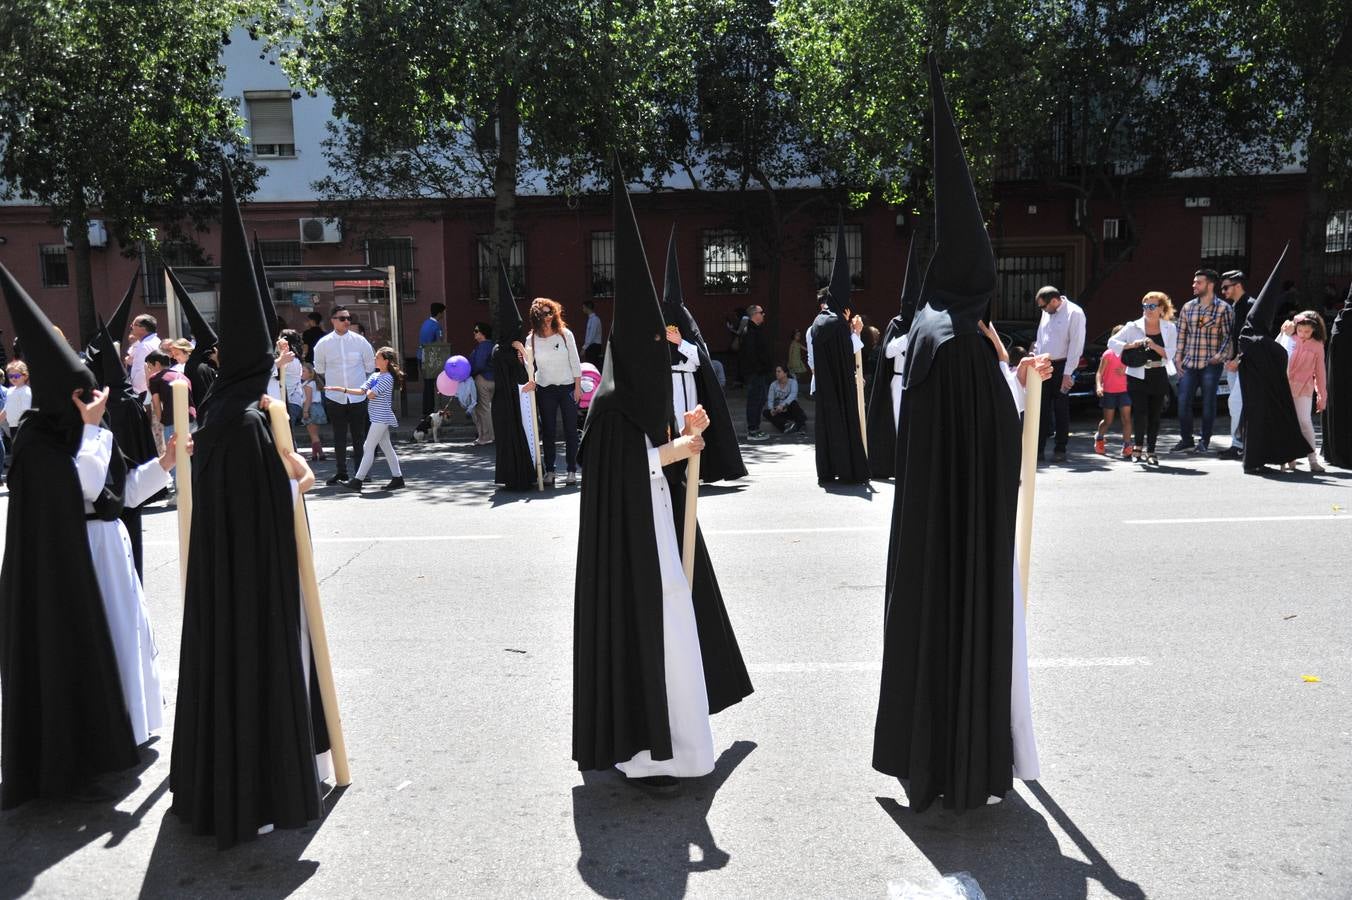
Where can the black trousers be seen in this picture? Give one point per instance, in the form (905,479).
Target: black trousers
(1146,407)
(343,416)
(555,400)
(1055,406)
(429,396)
(792,413)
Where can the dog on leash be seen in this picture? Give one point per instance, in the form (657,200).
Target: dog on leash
(430,426)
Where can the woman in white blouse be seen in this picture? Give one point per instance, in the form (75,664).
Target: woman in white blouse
(557,383)
(1156,335)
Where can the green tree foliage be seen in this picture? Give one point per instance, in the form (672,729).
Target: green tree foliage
(113,108)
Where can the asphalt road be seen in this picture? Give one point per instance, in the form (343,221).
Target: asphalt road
(1173,617)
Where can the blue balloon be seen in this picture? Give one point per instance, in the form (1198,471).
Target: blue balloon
(457,368)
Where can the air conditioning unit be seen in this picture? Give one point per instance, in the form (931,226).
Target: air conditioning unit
(1113,229)
(98,234)
(321,231)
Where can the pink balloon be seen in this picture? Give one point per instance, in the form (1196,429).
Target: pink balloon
(446,385)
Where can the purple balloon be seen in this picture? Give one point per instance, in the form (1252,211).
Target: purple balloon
(446,385)
(457,368)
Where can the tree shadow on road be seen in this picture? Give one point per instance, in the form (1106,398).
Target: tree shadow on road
(636,844)
(42,833)
(1010,849)
(184,864)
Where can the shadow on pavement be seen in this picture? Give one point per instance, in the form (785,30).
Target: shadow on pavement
(184,864)
(865,490)
(1010,849)
(42,833)
(635,844)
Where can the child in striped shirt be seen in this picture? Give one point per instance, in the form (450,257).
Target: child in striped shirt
(379,390)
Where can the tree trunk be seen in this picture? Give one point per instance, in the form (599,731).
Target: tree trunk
(504,186)
(78,231)
(1314,236)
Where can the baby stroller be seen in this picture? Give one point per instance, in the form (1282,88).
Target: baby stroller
(591,379)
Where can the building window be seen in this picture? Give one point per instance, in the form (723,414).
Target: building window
(1225,242)
(488,266)
(153,261)
(727,269)
(282,253)
(55,268)
(1018,279)
(271,132)
(824,254)
(1338,245)
(603,264)
(397,252)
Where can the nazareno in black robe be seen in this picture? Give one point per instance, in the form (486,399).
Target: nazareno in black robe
(513,467)
(619,675)
(1337,423)
(840,443)
(1272,432)
(65,719)
(944,718)
(721,458)
(245,732)
(882,425)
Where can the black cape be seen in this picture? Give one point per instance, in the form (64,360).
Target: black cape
(1271,430)
(882,426)
(130,425)
(65,719)
(944,709)
(245,732)
(619,675)
(513,468)
(721,458)
(840,444)
(201,374)
(1337,447)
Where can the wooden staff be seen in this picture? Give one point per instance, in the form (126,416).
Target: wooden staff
(1032,422)
(309,589)
(183,479)
(859,396)
(691,501)
(535,421)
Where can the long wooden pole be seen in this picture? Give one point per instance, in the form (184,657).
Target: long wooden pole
(183,480)
(1032,421)
(535,423)
(859,396)
(691,501)
(309,589)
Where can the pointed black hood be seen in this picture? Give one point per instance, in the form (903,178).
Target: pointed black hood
(245,332)
(1259,323)
(54,369)
(120,320)
(911,285)
(508,326)
(636,377)
(102,358)
(265,292)
(203,335)
(960,278)
(674,310)
(838,291)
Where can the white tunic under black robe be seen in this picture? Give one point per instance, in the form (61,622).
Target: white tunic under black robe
(692,742)
(896,351)
(684,391)
(115,570)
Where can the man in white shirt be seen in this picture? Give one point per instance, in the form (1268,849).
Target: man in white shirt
(1060,335)
(143,340)
(593,348)
(345,359)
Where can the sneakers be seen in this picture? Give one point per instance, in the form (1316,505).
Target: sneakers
(1100,445)
(570,478)
(755,435)
(549,479)
(1202,447)
(790,428)
(394,484)
(1059,456)
(337,479)
(1128,451)
(1181,446)
(354,485)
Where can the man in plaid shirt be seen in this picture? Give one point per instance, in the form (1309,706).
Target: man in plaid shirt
(1204,328)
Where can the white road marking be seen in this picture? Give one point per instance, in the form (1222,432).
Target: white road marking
(419,538)
(834,530)
(1035,663)
(1236,519)
(402,785)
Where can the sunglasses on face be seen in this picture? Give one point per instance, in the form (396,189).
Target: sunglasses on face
(342,318)
(1226,287)
(1150,306)
(16,376)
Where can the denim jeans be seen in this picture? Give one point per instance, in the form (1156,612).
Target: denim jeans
(757,390)
(556,401)
(1207,378)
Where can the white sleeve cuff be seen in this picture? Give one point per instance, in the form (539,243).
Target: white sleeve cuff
(654,463)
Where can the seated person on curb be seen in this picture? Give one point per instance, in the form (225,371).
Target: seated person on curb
(781,404)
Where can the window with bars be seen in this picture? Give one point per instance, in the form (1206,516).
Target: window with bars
(282,253)
(397,252)
(602,264)
(824,254)
(488,266)
(271,131)
(726,264)
(1225,242)
(1338,244)
(1018,279)
(55,265)
(153,261)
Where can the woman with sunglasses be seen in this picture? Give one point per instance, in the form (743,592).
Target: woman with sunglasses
(1155,336)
